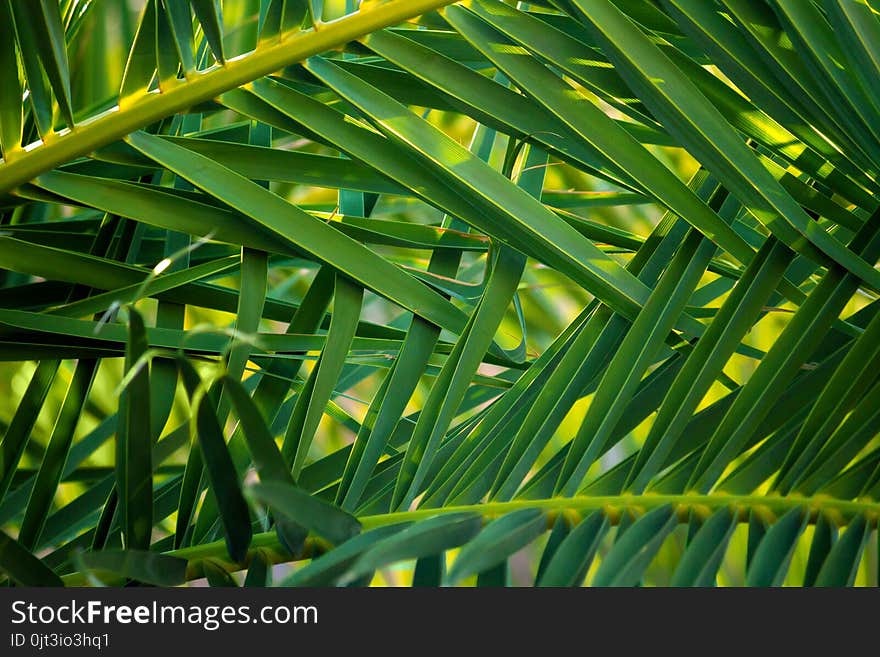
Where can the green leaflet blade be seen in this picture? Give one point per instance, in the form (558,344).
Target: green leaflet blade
(147,567)
(773,555)
(22,566)
(326,520)
(575,553)
(299,228)
(633,552)
(701,560)
(424,538)
(327,569)
(138,489)
(496,542)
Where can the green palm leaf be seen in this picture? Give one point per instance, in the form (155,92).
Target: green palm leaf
(425,292)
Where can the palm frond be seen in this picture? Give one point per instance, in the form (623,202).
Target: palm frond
(551,293)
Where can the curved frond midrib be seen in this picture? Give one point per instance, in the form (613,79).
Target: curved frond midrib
(131,115)
(836,510)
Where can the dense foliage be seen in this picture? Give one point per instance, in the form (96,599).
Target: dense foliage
(422,292)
